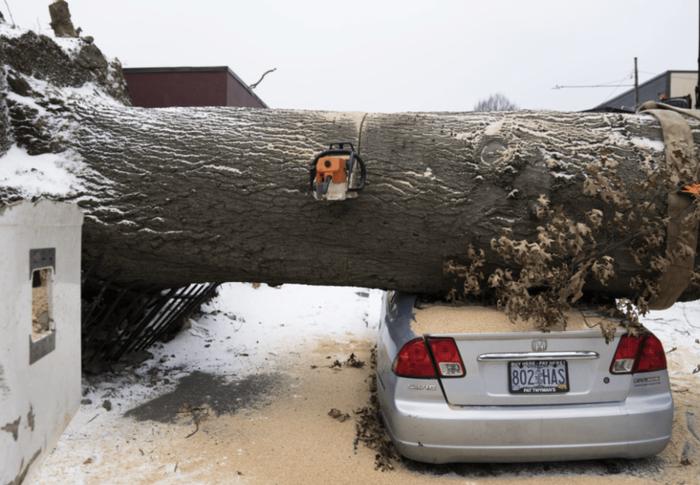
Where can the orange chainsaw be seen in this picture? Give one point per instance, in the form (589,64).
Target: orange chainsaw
(337,173)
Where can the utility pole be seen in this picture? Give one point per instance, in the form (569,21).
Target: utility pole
(636,85)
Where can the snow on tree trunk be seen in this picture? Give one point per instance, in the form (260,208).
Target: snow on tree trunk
(181,195)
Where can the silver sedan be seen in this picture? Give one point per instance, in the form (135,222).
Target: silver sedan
(463,384)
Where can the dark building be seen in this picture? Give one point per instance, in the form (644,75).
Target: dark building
(161,87)
(670,84)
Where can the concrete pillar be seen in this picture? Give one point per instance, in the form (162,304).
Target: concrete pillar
(39,331)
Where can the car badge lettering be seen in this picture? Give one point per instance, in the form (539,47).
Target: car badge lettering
(422,387)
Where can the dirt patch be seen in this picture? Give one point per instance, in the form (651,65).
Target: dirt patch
(200,389)
(3,387)
(31,418)
(353,361)
(338,415)
(12,428)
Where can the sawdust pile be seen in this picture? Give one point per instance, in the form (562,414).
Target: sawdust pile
(283,434)
(461,318)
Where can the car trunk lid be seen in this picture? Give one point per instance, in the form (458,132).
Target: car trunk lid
(564,366)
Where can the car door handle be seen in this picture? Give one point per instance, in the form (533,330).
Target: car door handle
(567,355)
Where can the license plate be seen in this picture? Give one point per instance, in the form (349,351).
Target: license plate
(538,376)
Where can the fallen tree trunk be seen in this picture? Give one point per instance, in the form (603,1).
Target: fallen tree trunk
(174,196)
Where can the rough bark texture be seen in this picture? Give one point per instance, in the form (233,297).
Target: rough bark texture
(174,196)
(219,194)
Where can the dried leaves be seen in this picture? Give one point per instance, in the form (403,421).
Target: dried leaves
(370,430)
(541,277)
(471,274)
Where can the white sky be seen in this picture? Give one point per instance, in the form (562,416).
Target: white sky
(398,55)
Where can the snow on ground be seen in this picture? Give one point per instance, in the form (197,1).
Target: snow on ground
(34,175)
(267,320)
(243,395)
(7,30)
(679,330)
(245,330)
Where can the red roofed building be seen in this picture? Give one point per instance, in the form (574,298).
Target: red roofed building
(161,87)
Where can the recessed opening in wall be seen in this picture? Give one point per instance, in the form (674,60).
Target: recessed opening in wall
(42,281)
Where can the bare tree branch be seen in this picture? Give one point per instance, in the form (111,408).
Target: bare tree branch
(10,13)
(255,84)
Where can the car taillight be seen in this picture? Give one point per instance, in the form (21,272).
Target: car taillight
(415,361)
(640,353)
(447,357)
(652,356)
(625,355)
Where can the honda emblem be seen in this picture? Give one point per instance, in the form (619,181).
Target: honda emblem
(539,345)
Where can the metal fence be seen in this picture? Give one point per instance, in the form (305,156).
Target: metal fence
(118,320)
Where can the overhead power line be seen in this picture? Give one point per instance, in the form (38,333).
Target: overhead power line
(567,86)
(617,83)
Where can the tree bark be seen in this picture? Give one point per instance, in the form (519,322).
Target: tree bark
(174,196)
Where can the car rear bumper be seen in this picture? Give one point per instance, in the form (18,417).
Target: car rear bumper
(438,433)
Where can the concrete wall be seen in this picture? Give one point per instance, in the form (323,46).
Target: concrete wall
(37,400)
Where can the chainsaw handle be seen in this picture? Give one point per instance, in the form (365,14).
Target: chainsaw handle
(340,145)
(312,174)
(363,174)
